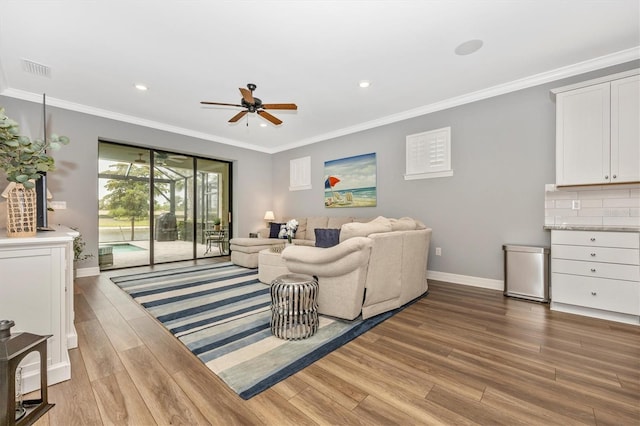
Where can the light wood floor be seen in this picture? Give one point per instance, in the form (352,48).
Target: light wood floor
(462,355)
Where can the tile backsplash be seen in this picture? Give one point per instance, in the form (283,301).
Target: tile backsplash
(603,205)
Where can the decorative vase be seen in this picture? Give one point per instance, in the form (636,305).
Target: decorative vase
(21,211)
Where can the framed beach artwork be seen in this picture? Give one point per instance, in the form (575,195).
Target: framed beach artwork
(350,182)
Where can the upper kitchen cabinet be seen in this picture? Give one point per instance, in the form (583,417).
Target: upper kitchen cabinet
(598,131)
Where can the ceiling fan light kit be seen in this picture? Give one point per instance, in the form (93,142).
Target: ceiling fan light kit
(254,105)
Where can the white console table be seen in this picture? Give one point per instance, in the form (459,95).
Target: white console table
(36,292)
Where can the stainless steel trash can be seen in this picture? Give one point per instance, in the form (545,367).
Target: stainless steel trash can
(526,272)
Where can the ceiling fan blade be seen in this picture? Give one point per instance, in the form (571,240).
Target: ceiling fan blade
(247,96)
(271,118)
(219,103)
(238,116)
(280,106)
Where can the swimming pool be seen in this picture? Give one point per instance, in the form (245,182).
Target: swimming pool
(124,248)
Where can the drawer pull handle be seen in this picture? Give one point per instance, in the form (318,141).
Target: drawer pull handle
(593,269)
(606,177)
(593,293)
(593,255)
(593,239)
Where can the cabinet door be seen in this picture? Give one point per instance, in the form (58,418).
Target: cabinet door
(625,129)
(583,135)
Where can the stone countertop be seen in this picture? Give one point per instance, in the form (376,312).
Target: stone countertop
(604,228)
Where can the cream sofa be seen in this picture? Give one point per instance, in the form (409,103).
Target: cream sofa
(378,265)
(244,251)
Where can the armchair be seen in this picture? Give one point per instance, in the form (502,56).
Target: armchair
(341,272)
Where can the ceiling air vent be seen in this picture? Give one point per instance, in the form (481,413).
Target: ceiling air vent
(36,68)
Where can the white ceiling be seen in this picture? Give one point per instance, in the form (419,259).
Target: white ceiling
(312,53)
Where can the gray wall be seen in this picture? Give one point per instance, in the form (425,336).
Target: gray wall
(503,153)
(75,180)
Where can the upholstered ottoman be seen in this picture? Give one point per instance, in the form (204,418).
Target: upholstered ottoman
(294,306)
(244,251)
(270,266)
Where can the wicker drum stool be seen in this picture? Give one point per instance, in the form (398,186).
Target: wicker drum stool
(294,306)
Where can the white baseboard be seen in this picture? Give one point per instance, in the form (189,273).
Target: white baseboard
(466,280)
(87,272)
(56,373)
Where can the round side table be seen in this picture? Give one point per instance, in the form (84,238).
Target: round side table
(294,306)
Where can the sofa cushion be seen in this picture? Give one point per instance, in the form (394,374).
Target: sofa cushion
(357,229)
(403,224)
(313,223)
(337,222)
(274,229)
(327,237)
(420,225)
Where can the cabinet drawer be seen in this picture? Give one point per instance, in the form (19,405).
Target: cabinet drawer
(606,294)
(595,238)
(596,269)
(596,254)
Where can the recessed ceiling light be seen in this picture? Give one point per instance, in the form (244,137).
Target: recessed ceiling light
(469,47)
(263,124)
(141,87)
(364,83)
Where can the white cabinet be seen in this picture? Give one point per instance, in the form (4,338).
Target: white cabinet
(596,273)
(625,129)
(36,292)
(598,131)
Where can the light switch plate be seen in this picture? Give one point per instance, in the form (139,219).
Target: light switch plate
(575,204)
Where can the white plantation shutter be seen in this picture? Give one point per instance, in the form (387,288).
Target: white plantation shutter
(429,154)
(300,174)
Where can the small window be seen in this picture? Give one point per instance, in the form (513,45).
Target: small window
(429,154)
(300,174)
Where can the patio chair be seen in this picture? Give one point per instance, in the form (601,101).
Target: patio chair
(218,237)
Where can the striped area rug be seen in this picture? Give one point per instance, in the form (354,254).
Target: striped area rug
(221,312)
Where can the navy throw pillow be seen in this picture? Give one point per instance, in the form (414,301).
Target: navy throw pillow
(326,237)
(274,229)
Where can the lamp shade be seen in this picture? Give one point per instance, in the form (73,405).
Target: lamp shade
(269,215)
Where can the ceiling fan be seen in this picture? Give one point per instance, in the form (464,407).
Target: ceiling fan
(253,104)
(162,158)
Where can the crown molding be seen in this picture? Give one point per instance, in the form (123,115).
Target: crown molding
(501,89)
(524,83)
(60,103)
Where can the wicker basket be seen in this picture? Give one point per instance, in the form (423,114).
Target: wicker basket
(21,211)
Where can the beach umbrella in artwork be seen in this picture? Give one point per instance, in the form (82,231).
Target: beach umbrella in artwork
(330,182)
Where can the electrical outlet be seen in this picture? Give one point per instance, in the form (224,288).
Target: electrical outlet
(438,251)
(575,204)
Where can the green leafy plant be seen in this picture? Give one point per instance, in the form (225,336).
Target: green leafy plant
(78,248)
(23,159)
(217,221)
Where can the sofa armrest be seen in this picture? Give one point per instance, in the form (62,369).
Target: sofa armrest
(328,262)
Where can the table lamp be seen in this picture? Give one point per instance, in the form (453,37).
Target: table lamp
(269,217)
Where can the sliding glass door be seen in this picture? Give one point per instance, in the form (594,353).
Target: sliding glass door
(173,210)
(158,206)
(213,205)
